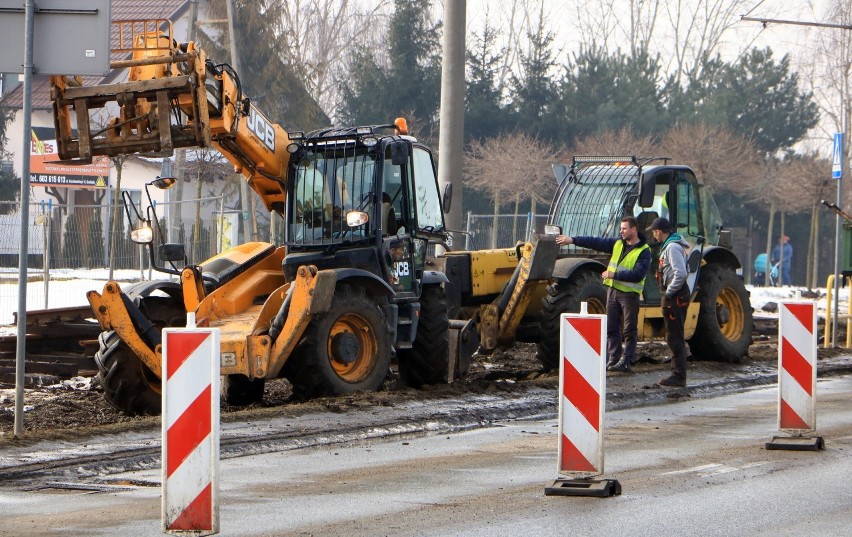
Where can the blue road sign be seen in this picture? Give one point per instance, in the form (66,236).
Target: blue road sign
(837,157)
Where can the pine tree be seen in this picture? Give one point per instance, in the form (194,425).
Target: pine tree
(274,87)
(405,81)
(484,114)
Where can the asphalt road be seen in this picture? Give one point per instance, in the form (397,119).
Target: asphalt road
(693,466)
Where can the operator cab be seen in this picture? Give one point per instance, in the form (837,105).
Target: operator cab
(363,199)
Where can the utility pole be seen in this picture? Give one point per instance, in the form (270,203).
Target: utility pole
(451,130)
(845,123)
(175,205)
(235,63)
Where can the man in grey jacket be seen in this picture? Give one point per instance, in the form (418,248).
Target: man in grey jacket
(671,274)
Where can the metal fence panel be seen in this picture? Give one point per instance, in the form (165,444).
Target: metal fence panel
(74,243)
(487,231)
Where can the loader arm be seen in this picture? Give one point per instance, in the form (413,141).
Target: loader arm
(499,320)
(174,98)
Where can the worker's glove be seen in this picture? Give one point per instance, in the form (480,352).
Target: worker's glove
(682,300)
(666,301)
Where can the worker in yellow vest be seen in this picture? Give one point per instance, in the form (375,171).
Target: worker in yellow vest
(625,279)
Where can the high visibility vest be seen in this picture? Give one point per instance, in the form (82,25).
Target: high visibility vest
(627,263)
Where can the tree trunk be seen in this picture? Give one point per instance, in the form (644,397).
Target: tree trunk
(495,221)
(781,249)
(769,243)
(813,248)
(515,217)
(113,218)
(196,233)
(175,205)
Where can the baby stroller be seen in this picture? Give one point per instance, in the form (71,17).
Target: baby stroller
(760,263)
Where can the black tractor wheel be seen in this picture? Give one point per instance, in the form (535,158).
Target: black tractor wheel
(565,296)
(725,321)
(428,359)
(128,384)
(343,351)
(239,390)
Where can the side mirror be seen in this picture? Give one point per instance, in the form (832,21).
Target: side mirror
(447,199)
(399,153)
(560,171)
(171,252)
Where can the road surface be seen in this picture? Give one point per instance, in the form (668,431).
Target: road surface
(694,466)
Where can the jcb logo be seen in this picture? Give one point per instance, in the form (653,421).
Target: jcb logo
(261,128)
(402,268)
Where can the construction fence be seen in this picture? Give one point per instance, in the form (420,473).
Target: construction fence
(93,243)
(85,244)
(488,231)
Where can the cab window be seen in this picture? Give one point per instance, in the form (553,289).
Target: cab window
(427,200)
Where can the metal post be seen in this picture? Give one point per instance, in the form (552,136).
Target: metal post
(20,353)
(837,277)
(467,235)
(451,133)
(45,257)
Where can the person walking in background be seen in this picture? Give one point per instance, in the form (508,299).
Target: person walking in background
(674,292)
(625,279)
(783,253)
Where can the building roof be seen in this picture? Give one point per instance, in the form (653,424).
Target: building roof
(121,10)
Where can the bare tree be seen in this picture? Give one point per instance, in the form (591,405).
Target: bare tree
(314,34)
(204,165)
(809,182)
(719,157)
(510,168)
(620,142)
(683,31)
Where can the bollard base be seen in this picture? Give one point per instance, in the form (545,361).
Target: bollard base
(796,443)
(584,487)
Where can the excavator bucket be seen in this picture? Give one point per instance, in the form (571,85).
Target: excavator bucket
(163,106)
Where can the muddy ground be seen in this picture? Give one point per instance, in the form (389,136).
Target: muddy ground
(77,407)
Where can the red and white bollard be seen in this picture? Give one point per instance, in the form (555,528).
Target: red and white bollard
(190,430)
(797,374)
(582,395)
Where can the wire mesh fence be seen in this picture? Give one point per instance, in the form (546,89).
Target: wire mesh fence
(487,231)
(93,243)
(84,245)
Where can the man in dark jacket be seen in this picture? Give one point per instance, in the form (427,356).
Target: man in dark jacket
(625,279)
(672,275)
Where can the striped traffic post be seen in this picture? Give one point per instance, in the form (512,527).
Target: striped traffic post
(582,395)
(190,503)
(797,374)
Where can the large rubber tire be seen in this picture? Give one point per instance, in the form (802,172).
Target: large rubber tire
(239,390)
(128,384)
(344,351)
(725,320)
(428,359)
(565,296)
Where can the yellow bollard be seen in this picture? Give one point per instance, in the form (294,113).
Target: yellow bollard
(829,288)
(831,322)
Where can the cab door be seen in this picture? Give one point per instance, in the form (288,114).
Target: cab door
(396,216)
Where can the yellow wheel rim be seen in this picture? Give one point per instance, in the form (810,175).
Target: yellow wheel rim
(730,301)
(352,346)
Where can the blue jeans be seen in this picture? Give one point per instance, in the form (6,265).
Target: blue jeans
(622,315)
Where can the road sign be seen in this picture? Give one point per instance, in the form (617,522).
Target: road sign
(837,156)
(69,37)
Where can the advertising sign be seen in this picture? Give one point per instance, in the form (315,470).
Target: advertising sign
(46,171)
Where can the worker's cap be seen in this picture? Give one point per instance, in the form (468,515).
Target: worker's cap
(662,224)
